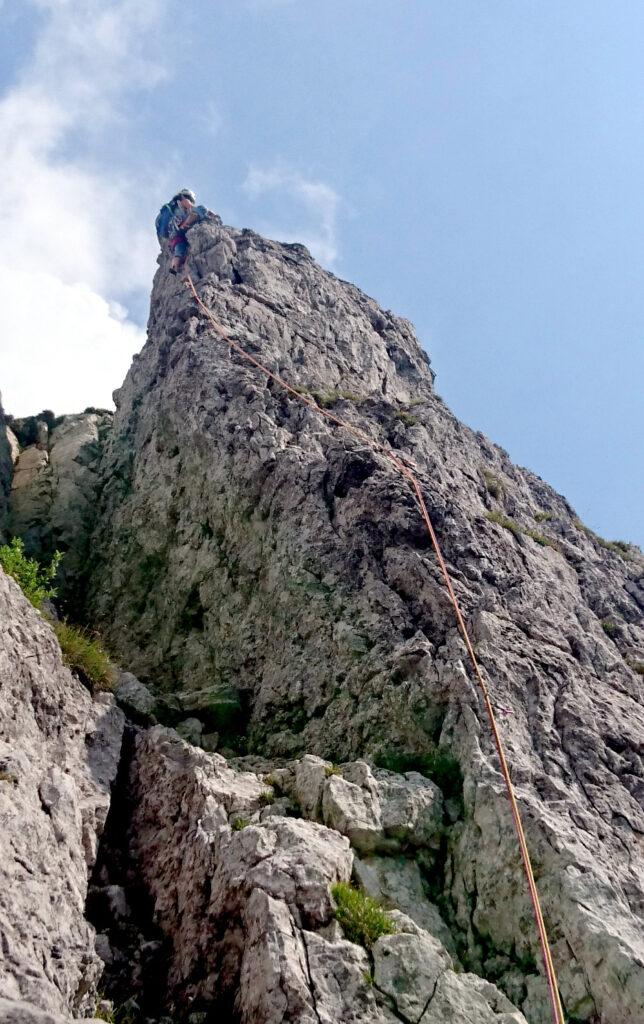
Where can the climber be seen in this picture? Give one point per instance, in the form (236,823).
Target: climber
(173,220)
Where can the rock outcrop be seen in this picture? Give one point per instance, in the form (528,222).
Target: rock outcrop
(271,576)
(54,495)
(267,583)
(59,752)
(241,892)
(7,458)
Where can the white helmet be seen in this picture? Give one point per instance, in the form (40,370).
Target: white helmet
(186,193)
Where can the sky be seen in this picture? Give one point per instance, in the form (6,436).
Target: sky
(476,167)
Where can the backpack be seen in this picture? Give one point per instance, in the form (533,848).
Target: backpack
(162,223)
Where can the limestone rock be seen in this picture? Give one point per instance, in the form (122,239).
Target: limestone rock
(14,1012)
(136,699)
(53,498)
(244,900)
(59,752)
(270,574)
(7,460)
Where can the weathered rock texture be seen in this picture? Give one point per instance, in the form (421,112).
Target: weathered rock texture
(54,494)
(242,894)
(59,752)
(274,576)
(6,469)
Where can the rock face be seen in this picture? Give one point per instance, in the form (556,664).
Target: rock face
(7,459)
(272,576)
(59,752)
(267,583)
(241,892)
(54,494)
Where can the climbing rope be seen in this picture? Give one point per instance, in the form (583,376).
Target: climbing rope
(411,479)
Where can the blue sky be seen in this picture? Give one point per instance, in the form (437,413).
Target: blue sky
(476,167)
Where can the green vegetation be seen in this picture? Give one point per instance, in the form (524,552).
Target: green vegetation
(8,777)
(266,798)
(104,1014)
(636,666)
(540,538)
(492,484)
(98,412)
(238,824)
(85,655)
(331,769)
(513,527)
(507,524)
(26,428)
(327,399)
(618,547)
(405,418)
(610,628)
(361,918)
(82,652)
(438,765)
(543,517)
(35,580)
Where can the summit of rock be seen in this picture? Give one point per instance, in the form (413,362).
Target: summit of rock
(266,575)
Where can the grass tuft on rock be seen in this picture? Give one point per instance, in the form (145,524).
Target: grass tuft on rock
(493,485)
(85,655)
(361,918)
(34,580)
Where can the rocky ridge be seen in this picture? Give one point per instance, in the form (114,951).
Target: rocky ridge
(268,579)
(59,753)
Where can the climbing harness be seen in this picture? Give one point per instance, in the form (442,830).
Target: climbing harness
(404,470)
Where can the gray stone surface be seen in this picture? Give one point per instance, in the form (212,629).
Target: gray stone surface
(134,697)
(14,1012)
(59,752)
(7,459)
(54,491)
(271,576)
(284,560)
(244,899)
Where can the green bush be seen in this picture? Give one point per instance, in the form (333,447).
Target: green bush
(85,655)
(609,627)
(239,823)
(35,580)
(405,418)
(543,517)
(492,484)
(266,798)
(331,769)
(327,399)
(361,918)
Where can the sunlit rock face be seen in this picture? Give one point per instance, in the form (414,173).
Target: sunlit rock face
(267,579)
(59,754)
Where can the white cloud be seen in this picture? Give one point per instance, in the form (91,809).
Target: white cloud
(297,209)
(59,335)
(73,236)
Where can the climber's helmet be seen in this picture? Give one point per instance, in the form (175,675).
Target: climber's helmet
(186,193)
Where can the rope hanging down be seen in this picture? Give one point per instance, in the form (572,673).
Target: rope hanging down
(408,475)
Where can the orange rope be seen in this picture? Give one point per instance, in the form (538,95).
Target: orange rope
(551,977)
